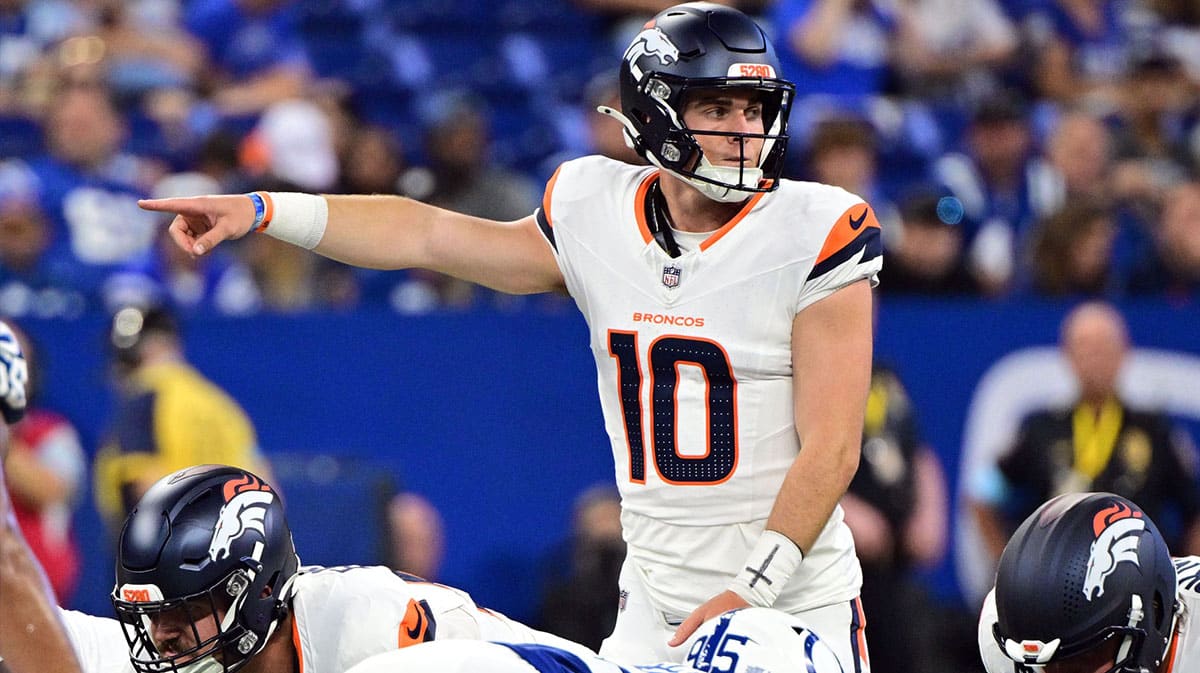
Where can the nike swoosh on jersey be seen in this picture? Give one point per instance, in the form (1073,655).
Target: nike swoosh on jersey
(418,624)
(846,239)
(856,222)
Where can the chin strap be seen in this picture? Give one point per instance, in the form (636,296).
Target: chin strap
(729,175)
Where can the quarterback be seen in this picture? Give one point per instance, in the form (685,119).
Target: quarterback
(730,320)
(1087,585)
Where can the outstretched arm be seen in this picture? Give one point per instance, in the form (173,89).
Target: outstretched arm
(32,639)
(379,232)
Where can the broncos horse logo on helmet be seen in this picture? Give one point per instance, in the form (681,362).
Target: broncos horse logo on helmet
(654,42)
(245,510)
(1117,536)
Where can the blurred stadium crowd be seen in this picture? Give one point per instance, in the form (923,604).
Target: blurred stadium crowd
(1012,148)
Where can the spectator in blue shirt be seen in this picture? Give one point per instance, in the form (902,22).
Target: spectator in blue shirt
(258,51)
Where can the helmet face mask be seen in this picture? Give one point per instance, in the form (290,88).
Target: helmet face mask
(1086,584)
(197,628)
(205,567)
(1111,651)
(702,46)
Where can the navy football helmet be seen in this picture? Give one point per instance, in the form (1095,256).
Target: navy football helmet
(1083,572)
(206,541)
(701,45)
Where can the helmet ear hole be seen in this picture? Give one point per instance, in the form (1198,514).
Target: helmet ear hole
(1159,610)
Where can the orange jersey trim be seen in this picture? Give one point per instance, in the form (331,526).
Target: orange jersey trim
(296,644)
(1171,652)
(639,206)
(862,633)
(849,226)
(546,195)
(725,228)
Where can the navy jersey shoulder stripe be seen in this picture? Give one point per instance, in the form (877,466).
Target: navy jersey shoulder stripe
(544,224)
(868,240)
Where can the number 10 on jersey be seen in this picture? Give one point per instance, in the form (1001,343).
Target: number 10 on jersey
(665,355)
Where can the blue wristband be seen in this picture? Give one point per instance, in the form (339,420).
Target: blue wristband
(260,211)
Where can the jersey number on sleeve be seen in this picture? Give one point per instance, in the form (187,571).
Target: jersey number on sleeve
(665,355)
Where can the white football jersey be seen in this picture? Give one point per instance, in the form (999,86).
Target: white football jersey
(1185,643)
(345,614)
(99,642)
(693,357)
(342,615)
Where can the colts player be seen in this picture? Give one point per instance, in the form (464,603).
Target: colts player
(730,319)
(750,640)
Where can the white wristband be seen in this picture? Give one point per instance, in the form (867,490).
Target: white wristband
(298,218)
(767,570)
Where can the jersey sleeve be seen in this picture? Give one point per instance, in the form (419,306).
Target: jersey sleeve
(571,201)
(851,251)
(98,642)
(346,614)
(545,210)
(563,199)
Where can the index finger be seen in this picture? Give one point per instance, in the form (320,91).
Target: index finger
(183,205)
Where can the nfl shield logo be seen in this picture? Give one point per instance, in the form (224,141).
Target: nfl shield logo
(670,276)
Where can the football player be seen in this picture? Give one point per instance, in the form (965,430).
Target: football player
(1087,585)
(208,580)
(730,318)
(748,640)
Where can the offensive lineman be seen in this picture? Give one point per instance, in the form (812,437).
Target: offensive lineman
(208,581)
(730,320)
(1087,585)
